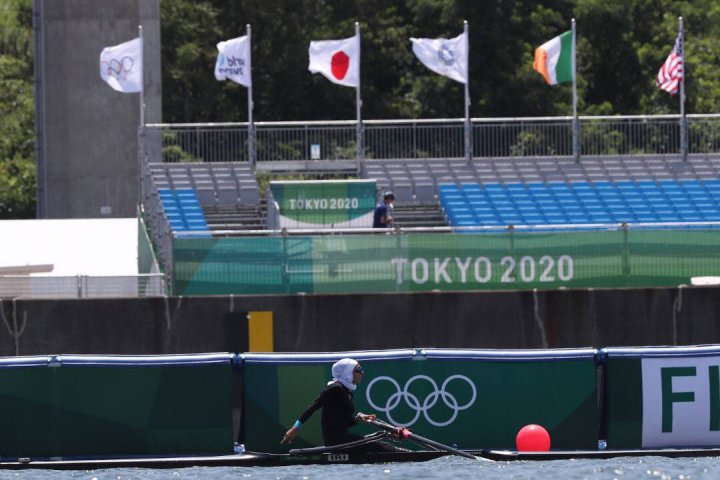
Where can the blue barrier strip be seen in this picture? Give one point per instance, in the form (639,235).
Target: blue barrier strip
(143,360)
(509,355)
(13,362)
(300,358)
(667,351)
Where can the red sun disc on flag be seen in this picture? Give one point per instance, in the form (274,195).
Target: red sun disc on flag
(339,64)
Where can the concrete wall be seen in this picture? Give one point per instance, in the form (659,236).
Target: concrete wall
(529,319)
(87,148)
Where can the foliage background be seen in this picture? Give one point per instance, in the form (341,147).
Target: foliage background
(621,45)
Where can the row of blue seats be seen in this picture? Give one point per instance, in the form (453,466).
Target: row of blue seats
(689,184)
(183,210)
(581,202)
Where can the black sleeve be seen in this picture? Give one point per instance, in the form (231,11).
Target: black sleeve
(314,406)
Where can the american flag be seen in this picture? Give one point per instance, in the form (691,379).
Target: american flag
(671,73)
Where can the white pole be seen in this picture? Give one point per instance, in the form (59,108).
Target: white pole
(683,117)
(358,105)
(576,122)
(142,82)
(468,127)
(141,129)
(251,125)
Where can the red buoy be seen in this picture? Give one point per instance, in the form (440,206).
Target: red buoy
(532,438)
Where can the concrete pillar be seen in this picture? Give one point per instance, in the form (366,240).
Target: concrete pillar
(87,133)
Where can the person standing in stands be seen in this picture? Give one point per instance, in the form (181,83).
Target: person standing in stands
(338,409)
(383,212)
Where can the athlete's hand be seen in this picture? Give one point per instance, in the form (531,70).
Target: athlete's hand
(363,418)
(289,435)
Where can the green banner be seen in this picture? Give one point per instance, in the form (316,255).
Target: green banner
(325,203)
(468,403)
(448,262)
(115,410)
(663,397)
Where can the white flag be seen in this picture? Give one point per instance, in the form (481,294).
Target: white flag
(121,66)
(443,56)
(338,60)
(233,61)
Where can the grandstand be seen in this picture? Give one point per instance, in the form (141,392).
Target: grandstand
(227,195)
(488,192)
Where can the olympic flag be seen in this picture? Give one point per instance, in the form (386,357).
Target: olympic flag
(121,66)
(233,61)
(338,60)
(443,56)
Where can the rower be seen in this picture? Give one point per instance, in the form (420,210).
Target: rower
(338,409)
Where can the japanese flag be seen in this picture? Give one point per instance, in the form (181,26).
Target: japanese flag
(338,60)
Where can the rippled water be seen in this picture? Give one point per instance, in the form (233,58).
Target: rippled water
(650,468)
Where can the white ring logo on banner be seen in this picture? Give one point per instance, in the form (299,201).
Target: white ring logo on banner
(412,401)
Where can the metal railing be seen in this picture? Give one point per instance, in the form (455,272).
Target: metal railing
(540,228)
(82,286)
(436,138)
(154,214)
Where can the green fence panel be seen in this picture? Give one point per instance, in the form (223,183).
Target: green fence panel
(220,266)
(449,262)
(471,401)
(85,408)
(325,203)
(663,397)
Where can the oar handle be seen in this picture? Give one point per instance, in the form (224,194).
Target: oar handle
(405,433)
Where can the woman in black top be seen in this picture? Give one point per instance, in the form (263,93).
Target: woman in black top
(338,409)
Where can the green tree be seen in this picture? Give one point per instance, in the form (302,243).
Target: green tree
(17,116)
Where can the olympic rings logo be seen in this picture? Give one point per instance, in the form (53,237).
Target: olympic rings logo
(413,402)
(118,68)
(446,54)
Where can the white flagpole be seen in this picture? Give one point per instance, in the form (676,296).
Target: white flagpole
(142,81)
(141,137)
(576,122)
(251,125)
(683,118)
(358,104)
(468,126)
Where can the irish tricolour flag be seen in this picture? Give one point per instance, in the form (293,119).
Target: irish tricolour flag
(554,59)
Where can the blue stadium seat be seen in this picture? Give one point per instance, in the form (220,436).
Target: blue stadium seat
(533,218)
(445,188)
(578,217)
(470,188)
(183,210)
(486,218)
(516,188)
(555,218)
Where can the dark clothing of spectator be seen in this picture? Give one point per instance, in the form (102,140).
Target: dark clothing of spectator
(380,216)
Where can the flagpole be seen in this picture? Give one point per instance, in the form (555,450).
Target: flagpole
(142,81)
(358,105)
(576,122)
(468,126)
(683,117)
(141,137)
(251,125)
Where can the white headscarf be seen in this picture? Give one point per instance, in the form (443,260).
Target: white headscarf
(342,371)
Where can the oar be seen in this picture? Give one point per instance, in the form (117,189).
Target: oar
(405,433)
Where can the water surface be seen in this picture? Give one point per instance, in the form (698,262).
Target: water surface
(650,468)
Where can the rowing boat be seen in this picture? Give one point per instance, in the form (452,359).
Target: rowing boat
(246,459)
(254,459)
